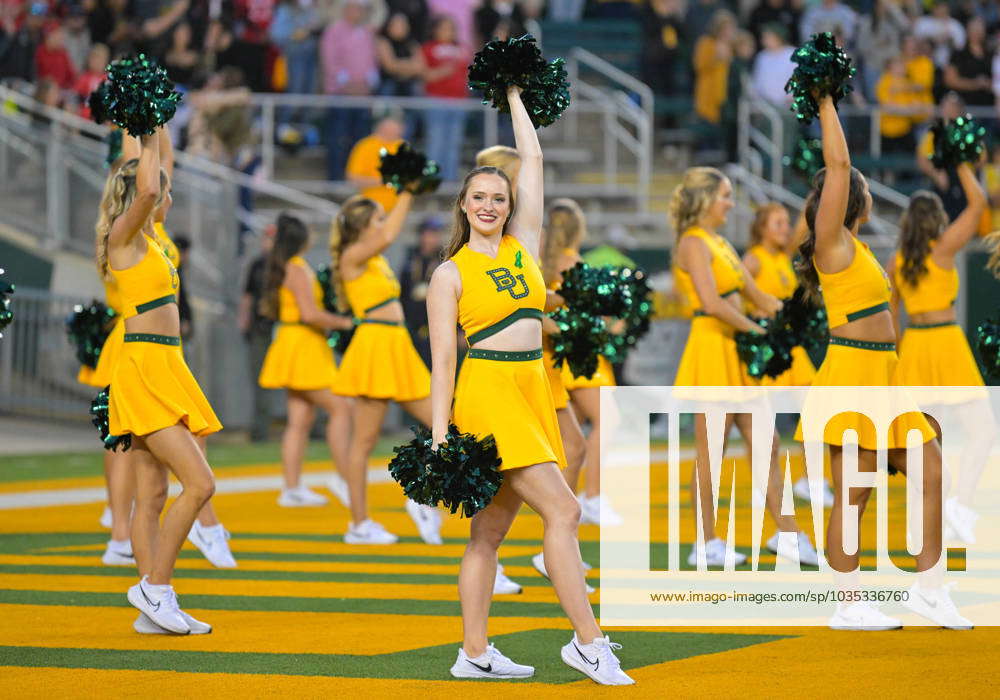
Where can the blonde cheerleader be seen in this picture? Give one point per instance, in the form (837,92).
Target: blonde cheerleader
(714,280)
(154,398)
(862,352)
(299,360)
(934,350)
(491,284)
(381,363)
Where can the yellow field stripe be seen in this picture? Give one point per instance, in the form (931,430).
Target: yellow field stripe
(245,631)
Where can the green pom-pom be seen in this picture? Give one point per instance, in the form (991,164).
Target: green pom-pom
(6,315)
(807,321)
(88,327)
(409,169)
(338,340)
(99,417)
(140,97)
(463,474)
(114,141)
(988,346)
(97,101)
(960,140)
(593,290)
(580,340)
(769,353)
(639,310)
(518,61)
(807,158)
(822,67)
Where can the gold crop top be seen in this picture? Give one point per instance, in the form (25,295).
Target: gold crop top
(374,288)
(496,292)
(936,290)
(150,283)
(727,268)
(776,275)
(288,309)
(858,291)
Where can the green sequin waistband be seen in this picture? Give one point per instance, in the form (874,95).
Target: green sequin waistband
(863,344)
(505,355)
(926,326)
(152,338)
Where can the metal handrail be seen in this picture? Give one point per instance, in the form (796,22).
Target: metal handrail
(643,91)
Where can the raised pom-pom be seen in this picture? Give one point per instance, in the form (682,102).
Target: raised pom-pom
(822,68)
(97,101)
(462,474)
(960,140)
(518,61)
(807,158)
(6,315)
(140,97)
(338,340)
(581,338)
(87,328)
(409,169)
(593,290)
(988,346)
(99,417)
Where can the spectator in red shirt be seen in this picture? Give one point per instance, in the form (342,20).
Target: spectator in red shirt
(87,82)
(53,61)
(447,62)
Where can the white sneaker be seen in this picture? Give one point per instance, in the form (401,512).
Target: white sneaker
(503,585)
(862,616)
(118,554)
(338,487)
(805,553)
(107,520)
(801,489)
(214,544)
(538,561)
(369,532)
(301,497)
(597,510)
(427,520)
(159,603)
(143,625)
(715,554)
(937,606)
(492,664)
(962,520)
(596,660)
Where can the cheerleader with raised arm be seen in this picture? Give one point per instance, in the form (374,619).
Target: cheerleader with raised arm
(492,285)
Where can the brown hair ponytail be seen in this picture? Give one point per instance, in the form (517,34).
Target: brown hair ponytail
(353,218)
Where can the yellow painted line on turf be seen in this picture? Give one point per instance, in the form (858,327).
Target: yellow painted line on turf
(245,631)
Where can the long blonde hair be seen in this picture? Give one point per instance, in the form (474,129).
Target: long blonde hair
(692,198)
(353,218)
(504,158)
(462,230)
(567,227)
(119,193)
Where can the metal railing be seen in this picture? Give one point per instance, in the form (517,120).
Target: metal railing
(761,135)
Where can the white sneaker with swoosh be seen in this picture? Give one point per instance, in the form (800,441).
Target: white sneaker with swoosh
(937,606)
(143,625)
(492,664)
(159,603)
(596,660)
(862,616)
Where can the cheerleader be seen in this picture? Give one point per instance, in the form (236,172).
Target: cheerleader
(381,363)
(299,359)
(711,276)
(862,352)
(934,350)
(770,264)
(491,284)
(154,398)
(207,533)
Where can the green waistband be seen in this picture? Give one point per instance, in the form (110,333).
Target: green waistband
(925,326)
(500,325)
(884,306)
(152,338)
(731,291)
(505,355)
(379,321)
(863,344)
(381,304)
(150,305)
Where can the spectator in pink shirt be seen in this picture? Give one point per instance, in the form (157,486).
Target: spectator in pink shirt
(347,52)
(93,74)
(462,13)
